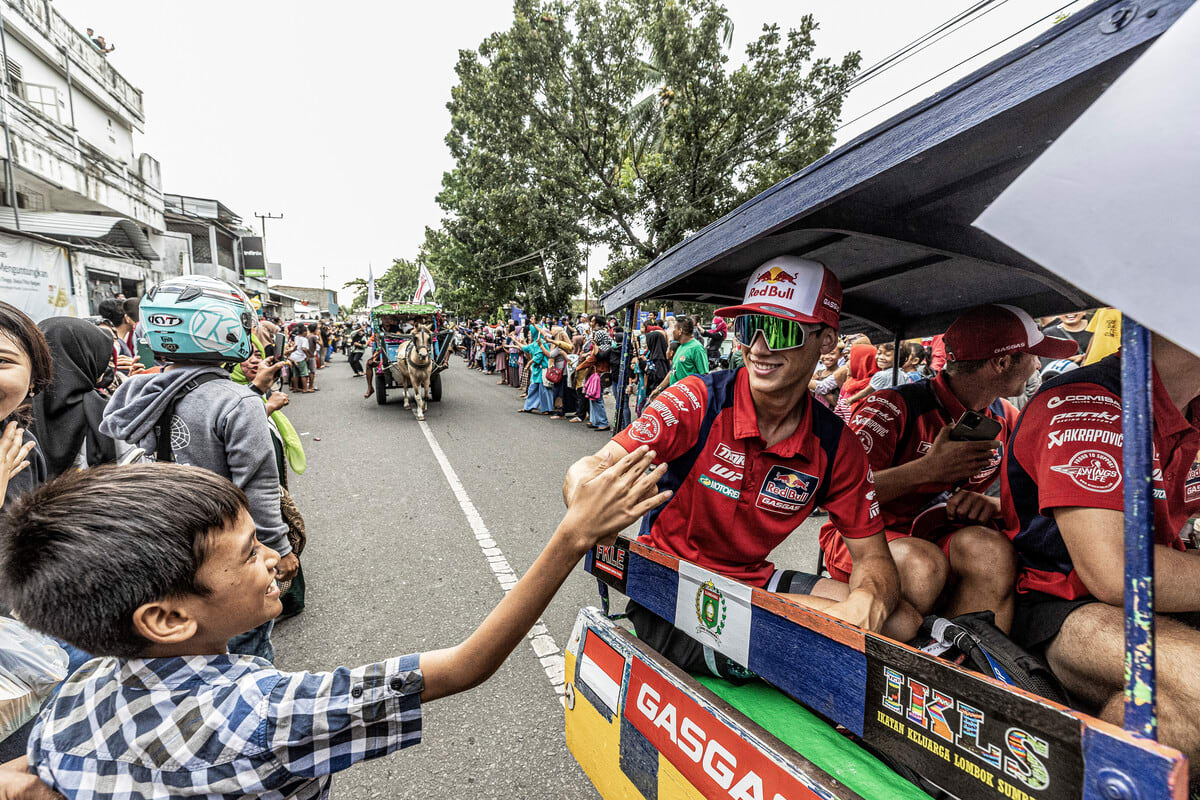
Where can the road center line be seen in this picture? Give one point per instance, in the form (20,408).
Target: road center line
(544,647)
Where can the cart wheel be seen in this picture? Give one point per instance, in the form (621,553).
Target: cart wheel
(435,387)
(380,389)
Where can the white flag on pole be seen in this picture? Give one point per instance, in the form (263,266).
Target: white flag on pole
(424,285)
(370,288)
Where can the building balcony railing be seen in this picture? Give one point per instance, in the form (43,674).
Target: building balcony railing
(48,151)
(42,15)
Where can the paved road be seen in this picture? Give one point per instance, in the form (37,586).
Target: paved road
(393,566)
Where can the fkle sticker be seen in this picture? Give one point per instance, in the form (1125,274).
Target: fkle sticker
(610,563)
(714,610)
(786,490)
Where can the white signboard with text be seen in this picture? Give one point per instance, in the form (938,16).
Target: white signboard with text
(35,277)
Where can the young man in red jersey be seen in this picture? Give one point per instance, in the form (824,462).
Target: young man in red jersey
(750,455)
(939,521)
(1063,484)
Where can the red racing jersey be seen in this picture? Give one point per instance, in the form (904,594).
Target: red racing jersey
(1066,451)
(735,499)
(897,426)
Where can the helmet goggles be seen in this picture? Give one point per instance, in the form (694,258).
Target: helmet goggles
(778,333)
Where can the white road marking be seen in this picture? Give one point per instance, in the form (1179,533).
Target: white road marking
(548,653)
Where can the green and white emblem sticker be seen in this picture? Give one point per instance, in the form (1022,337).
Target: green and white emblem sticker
(714,610)
(711,608)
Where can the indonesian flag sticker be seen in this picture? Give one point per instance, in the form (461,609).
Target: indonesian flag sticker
(601,668)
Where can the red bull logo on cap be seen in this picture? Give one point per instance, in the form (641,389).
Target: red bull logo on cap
(770,284)
(776,275)
(786,491)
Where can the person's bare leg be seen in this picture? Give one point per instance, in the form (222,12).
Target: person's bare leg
(985,563)
(1088,657)
(923,571)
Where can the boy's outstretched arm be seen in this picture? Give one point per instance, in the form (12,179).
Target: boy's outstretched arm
(600,508)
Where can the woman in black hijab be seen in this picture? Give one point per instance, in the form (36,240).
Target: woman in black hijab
(66,416)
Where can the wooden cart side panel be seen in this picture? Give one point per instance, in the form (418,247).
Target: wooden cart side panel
(980,737)
(700,739)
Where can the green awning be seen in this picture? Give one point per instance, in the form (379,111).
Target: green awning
(405,308)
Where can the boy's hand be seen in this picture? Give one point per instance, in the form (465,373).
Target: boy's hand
(17,783)
(606,503)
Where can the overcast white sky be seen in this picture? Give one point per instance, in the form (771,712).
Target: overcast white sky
(333,114)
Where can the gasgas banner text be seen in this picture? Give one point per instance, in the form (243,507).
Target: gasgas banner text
(35,277)
(715,611)
(712,757)
(965,734)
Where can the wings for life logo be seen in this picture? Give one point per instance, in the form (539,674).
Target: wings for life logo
(1093,470)
(645,429)
(786,491)
(712,609)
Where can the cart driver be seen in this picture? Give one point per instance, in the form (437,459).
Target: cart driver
(389,324)
(1064,509)
(751,455)
(942,529)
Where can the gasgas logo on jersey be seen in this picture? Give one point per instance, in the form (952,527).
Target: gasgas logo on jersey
(771,284)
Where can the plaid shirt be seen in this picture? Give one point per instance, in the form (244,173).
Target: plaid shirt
(220,726)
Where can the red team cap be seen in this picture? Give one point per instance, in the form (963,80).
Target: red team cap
(792,288)
(997,330)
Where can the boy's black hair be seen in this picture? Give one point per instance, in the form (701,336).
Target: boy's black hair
(112,311)
(75,566)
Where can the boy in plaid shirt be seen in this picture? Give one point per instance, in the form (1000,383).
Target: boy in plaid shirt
(165,711)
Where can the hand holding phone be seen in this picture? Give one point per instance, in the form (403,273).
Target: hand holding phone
(975,427)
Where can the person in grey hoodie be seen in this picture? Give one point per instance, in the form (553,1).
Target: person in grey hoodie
(222,427)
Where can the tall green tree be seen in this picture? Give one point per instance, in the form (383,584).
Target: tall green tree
(622,122)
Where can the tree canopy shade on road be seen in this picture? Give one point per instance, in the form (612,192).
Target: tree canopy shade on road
(617,122)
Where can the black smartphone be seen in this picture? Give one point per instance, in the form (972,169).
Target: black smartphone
(280,344)
(974,427)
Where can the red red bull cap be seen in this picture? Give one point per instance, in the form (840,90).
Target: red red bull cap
(792,288)
(997,330)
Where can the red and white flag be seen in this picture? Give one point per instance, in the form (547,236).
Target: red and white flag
(601,668)
(424,285)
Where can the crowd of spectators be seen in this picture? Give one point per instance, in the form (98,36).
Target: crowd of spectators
(78,394)
(569,369)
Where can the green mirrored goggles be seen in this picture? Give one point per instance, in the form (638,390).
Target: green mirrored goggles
(779,334)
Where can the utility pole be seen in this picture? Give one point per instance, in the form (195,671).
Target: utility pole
(264,218)
(323,276)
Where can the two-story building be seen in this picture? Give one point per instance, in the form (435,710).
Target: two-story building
(81,213)
(219,243)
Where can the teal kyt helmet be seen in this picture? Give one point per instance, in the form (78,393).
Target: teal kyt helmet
(198,318)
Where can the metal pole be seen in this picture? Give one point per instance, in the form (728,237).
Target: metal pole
(9,178)
(619,386)
(1137,426)
(896,360)
(264,218)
